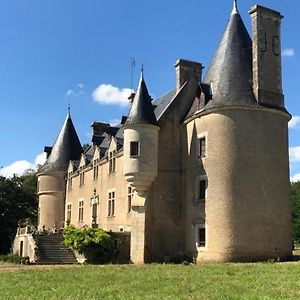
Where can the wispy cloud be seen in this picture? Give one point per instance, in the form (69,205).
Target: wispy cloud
(294,122)
(288,52)
(76,91)
(114,122)
(294,153)
(108,94)
(19,167)
(70,93)
(80,85)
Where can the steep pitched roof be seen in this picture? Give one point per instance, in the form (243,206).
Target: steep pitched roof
(142,110)
(66,147)
(230,72)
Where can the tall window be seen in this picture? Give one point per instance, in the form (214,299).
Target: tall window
(201,236)
(94,213)
(130,192)
(96,169)
(69,182)
(112,161)
(80,211)
(202,189)
(111,204)
(69,213)
(202,147)
(134,149)
(81,177)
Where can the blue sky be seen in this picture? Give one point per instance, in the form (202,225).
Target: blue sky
(54,49)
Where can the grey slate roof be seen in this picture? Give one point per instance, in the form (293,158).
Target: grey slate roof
(142,110)
(230,72)
(163,102)
(66,147)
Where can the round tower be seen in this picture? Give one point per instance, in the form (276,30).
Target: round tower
(141,141)
(51,177)
(245,162)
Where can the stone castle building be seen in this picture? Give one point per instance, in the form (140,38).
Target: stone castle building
(202,171)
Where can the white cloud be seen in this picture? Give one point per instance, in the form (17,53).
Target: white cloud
(294,153)
(288,52)
(19,167)
(294,122)
(70,92)
(295,178)
(40,159)
(80,85)
(114,122)
(108,94)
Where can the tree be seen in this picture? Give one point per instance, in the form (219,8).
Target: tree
(295,195)
(18,206)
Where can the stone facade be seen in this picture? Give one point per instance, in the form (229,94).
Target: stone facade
(202,173)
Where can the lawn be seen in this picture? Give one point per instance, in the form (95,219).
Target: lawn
(222,281)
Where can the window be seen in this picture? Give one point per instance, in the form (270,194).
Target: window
(134,149)
(69,211)
(112,161)
(202,189)
(80,211)
(201,237)
(202,147)
(96,169)
(94,213)
(111,204)
(130,192)
(69,184)
(81,177)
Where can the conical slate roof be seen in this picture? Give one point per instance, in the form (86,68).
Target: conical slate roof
(230,72)
(142,110)
(66,147)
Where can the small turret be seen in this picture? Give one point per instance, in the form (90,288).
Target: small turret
(141,141)
(51,176)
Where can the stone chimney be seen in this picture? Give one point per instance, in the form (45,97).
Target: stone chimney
(267,79)
(186,70)
(98,129)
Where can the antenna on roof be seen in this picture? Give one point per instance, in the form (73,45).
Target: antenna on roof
(132,66)
(235,8)
(142,70)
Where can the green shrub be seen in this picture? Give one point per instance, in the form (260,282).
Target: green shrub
(95,243)
(13,258)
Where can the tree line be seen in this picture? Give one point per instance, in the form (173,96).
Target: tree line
(18,207)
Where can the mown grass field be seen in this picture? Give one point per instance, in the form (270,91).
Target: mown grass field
(223,281)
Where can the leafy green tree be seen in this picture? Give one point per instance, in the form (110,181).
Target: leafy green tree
(95,243)
(18,206)
(295,195)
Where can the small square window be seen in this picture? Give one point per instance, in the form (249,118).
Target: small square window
(134,148)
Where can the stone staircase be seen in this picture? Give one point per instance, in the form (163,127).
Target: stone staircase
(52,250)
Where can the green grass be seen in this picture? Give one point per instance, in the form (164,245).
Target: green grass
(223,281)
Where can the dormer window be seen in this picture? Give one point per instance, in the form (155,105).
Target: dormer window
(134,149)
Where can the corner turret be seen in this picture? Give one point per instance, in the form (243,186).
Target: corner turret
(141,141)
(51,176)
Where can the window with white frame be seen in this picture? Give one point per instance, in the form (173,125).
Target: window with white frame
(111,204)
(130,192)
(80,211)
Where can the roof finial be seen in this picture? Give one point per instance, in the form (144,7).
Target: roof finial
(235,8)
(69,107)
(142,71)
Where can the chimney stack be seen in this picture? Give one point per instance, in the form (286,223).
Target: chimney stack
(186,70)
(267,80)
